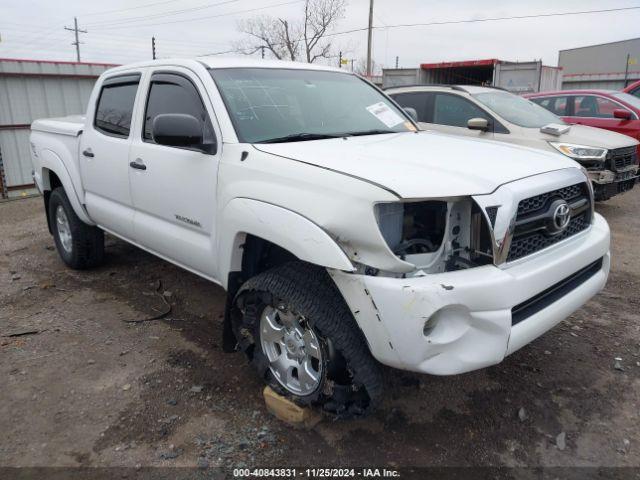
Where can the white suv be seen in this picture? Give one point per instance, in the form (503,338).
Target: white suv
(495,114)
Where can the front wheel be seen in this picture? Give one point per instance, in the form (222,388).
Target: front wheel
(299,334)
(79,245)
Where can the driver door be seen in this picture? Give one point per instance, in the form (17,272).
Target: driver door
(174,188)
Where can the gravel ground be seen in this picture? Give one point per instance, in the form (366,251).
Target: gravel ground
(90,388)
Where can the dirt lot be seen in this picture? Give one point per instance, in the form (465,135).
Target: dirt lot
(92,389)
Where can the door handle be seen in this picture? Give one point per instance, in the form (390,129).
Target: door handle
(88,153)
(138,166)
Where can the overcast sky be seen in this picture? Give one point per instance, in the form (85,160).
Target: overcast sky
(119,31)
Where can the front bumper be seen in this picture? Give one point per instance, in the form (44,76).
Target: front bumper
(469,311)
(607,184)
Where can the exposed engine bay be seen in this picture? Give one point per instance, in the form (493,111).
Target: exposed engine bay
(437,235)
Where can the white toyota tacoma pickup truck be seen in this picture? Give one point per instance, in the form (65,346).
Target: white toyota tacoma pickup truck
(343,236)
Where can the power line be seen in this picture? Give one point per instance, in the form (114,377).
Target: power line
(205,17)
(448,22)
(33,40)
(517,17)
(454,22)
(76,30)
(104,12)
(159,15)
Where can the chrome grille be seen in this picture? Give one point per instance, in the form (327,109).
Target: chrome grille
(531,233)
(533,204)
(528,244)
(622,158)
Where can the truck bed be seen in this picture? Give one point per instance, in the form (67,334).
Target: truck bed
(71,125)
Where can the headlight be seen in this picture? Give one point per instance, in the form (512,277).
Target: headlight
(580,152)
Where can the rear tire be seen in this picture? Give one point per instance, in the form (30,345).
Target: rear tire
(294,313)
(80,246)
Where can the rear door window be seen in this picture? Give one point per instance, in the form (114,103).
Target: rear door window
(115,105)
(419,101)
(455,111)
(594,107)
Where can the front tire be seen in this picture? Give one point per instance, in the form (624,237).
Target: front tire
(80,246)
(298,333)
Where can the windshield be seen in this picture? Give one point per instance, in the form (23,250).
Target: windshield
(517,110)
(630,99)
(267,104)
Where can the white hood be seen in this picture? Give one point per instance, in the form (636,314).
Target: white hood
(424,164)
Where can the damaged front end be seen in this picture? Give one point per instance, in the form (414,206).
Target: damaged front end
(610,171)
(475,262)
(436,236)
(618,174)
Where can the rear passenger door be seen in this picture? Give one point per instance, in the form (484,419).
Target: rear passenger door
(104,153)
(174,188)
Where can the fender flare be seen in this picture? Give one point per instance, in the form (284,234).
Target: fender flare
(283,227)
(52,162)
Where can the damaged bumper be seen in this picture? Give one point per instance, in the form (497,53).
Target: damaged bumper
(455,322)
(607,184)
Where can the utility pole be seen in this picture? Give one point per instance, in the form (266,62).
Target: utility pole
(369,38)
(340,61)
(153,47)
(397,61)
(76,30)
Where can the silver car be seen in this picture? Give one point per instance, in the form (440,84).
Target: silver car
(495,114)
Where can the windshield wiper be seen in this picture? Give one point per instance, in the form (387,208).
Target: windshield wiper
(376,131)
(301,137)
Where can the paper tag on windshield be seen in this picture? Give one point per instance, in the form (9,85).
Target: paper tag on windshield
(383,113)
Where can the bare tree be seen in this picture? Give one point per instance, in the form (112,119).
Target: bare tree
(361,67)
(303,39)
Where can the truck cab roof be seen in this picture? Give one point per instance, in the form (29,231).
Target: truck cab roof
(226,62)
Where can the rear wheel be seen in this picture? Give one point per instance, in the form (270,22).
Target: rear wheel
(79,245)
(299,334)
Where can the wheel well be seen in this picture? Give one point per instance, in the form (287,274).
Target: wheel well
(52,180)
(258,255)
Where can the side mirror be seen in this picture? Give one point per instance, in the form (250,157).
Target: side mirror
(622,114)
(411,112)
(481,124)
(177,130)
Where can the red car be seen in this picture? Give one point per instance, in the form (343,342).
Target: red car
(633,89)
(608,109)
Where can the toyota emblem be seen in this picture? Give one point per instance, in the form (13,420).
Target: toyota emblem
(561,217)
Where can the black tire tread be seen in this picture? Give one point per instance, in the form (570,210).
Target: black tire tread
(88,241)
(312,291)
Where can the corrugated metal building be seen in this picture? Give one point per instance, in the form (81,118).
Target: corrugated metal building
(517,77)
(601,66)
(32,89)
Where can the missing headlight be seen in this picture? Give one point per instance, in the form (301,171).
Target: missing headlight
(423,228)
(412,228)
(436,235)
